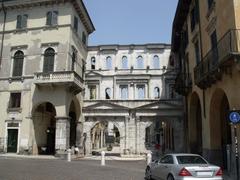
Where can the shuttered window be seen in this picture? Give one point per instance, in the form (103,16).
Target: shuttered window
(48,65)
(18,63)
(52,18)
(22,21)
(75,26)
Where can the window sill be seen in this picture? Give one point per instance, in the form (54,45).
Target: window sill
(16,78)
(20,30)
(50,27)
(17,109)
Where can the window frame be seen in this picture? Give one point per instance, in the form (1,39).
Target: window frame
(48,55)
(11,104)
(22,20)
(141,86)
(121,88)
(17,70)
(156,62)
(108,63)
(93,63)
(52,18)
(140,64)
(124,62)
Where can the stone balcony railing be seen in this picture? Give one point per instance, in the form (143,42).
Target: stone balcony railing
(60,78)
(215,62)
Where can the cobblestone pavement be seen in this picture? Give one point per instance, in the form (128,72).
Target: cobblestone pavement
(40,169)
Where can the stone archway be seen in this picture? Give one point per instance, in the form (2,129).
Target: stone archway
(44,127)
(220,130)
(195,125)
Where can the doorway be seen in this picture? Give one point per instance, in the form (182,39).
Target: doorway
(12,140)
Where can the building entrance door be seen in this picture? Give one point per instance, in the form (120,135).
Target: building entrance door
(12,140)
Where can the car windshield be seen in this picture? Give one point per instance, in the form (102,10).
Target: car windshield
(190,160)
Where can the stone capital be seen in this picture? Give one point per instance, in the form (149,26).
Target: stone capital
(62,118)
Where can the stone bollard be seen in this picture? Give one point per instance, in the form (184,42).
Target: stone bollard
(102,158)
(149,158)
(69,155)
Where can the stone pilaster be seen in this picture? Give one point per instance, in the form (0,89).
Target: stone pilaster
(79,134)
(137,148)
(126,134)
(62,135)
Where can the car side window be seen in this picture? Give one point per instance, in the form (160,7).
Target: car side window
(167,159)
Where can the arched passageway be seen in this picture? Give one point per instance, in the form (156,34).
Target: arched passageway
(220,130)
(44,126)
(195,125)
(105,135)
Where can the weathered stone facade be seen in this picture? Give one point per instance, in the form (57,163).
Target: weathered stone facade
(44,47)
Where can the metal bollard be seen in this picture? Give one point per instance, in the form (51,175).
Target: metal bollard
(102,158)
(149,158)
(69,155)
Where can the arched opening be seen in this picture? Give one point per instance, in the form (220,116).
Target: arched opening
(105,135)
(44,124)
(220,130)
(74,116)
(48,64)
(195,125)
(18,63)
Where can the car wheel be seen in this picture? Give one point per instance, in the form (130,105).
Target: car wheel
(170,177)
(148,174)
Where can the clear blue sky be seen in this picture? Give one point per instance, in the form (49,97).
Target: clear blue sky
(131,21)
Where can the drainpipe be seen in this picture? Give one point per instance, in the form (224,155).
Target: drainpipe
(3,32)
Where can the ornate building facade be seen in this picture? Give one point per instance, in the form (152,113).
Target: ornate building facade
(129,99)
(43,52)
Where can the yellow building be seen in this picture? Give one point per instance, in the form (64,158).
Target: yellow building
(205,43)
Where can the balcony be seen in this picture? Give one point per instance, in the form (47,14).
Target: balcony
(218,60)
(61,78)
(183,83)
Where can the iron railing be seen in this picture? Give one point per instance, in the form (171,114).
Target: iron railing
(226,47)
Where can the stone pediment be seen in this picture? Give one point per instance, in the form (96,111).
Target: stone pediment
(93,74)
(160,105)
(103,105)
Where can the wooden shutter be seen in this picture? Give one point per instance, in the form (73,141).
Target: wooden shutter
(24,20)
(55,18)
(75,23)
(18,63)
(48,65)
(49,18)
(19,22)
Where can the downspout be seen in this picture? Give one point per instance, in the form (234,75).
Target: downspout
(3,33)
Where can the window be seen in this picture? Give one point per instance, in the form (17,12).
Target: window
(84,38)
(108,93)
(52,18)
(93,63)
(140,64)
(22,21)
(210,3)
(168,159)
(156,63)
(172,93)
(108,62)
(124,62)
(73,61)
(75,25)
(15,100)
(124,92)
(197,53)
(156,92)
(18,63)
(93,92)
(194,15)
(141,92)
(48,64)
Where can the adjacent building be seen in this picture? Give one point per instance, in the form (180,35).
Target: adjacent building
(129,101)
(42,63)
(205,43)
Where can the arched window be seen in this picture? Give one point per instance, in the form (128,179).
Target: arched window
(140,64)
(18,63)
(108,62)
(93,63)
(48,64)
(156,63)
(108,93)
(141,92)
(124,62)
(156,92)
